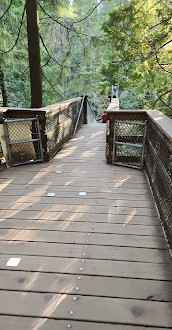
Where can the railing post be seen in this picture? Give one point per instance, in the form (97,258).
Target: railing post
(79,114)
(85,109)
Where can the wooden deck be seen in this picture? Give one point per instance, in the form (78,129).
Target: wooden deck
(93,262)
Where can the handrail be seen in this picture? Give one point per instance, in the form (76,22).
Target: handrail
(158,156)
(57,122)
(91,109)
(79,115)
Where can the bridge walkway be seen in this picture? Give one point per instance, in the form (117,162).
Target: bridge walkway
(91,257)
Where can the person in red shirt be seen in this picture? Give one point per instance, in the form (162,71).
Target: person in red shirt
(104,117)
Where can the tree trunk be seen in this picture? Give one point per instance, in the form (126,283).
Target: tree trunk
(3,90)
(34,53)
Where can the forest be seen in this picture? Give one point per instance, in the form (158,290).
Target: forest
(85,48)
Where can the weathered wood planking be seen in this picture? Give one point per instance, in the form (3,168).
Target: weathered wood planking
(77,201)
(153,290)
(9,186)
(79,208)
(92,267)
(19,323)
(82,217)
(67,194)
(93,251)
(82,238)
(96,309)
(107,228)
(105,248)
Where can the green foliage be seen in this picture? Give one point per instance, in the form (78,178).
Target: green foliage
(73,39)
(140,54)
(79,57)
(130,99)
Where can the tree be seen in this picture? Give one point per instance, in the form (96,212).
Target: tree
(72,47)
(34,53)
(3,89)
(141,57)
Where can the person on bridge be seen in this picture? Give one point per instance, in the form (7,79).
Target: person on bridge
(103,117)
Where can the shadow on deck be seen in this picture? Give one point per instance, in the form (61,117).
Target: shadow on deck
(93,256)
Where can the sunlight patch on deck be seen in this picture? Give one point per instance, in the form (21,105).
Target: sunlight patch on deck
(122,180)
(21,235)
(130,217)
(49,310)
(4,185)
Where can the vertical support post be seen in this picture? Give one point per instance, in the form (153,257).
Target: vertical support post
(34,53)
(85,109)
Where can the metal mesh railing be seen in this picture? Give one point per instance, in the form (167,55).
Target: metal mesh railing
(158,156)
(129,140)
(158,163)
(23,140)
(60,124)
(130,131)
(124,134)
(54,125)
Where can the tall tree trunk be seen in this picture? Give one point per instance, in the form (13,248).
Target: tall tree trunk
(3,90)
(34,53)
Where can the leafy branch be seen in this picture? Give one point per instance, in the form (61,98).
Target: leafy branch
(160,98)
(51,57)
(90,12)
(68,28)
(18,34)
(6,11)
(62,97)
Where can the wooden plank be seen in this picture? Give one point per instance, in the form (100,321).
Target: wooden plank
(88,285)
(8,186)
(77,200)
(82,238)
(92,267)
(74,193)
(76,251)
(78,181)
(71,171)
(20,323)
(79,208)
(108,228)
(81,217)
(95,309)
(126,274)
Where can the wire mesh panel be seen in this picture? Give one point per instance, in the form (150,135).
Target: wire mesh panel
(129,141)
(158,163)
(23,140)
(60,123)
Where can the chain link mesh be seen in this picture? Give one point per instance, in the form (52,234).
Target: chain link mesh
(129,143)
(158,163)
(60,125)
(20,138)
